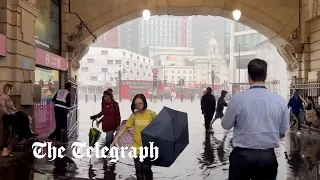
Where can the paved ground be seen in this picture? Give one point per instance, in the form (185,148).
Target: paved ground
(206,157)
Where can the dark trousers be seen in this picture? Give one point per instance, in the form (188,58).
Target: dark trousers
(296,120)
(246,164)
(61,116)
(10,139)
(109,138)
(207,120)
(143,169)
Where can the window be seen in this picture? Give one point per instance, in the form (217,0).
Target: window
(131,56)
(141,66)
(104,52)
(172,71)
(149,61)
(131,72)
(84,69)
(190,72)
(172,77)
(118,62)
(94,78)
(144,74)
(90,60)
(124,70)
(109,61)
(138,58)
(178,71)
(111,78)
(190,78)
(146,67)
(128,63)
(134,64)
(166,77)
(124,53)
(144,59)
(138,73)
(184,77)
(104,69)
(184,71)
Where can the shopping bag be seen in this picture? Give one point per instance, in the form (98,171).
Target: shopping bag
(311,115)
(94,135)
(127,139)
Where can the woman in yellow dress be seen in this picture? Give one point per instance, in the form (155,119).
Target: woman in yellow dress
(140,118)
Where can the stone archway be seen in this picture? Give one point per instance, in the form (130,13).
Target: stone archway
(277,20)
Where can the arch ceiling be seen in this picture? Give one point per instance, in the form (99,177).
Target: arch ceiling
(275,19)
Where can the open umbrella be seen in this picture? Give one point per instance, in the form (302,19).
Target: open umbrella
(94,135)
(169,131)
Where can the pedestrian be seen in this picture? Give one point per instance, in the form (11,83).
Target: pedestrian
(296,105)
(259,119)
(220,106)
(111,116)
(9,118)
(62,104)
(208,106)
(311,106)
(140,118)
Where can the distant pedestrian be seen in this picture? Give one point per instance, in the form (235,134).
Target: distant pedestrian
(259,119)
(208,106)
(296,105)
(220,106)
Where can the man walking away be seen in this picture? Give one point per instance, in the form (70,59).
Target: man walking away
(62,100)
(208,106)
(259,119)
(220,106)
(296,105)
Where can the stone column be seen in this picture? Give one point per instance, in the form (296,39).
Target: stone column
(17,23)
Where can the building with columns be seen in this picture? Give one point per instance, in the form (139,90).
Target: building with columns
(29,25)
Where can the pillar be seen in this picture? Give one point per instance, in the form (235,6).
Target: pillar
(17,23)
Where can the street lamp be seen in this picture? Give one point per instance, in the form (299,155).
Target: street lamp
(146,14)
(236,14)
(164,73)
(119,79)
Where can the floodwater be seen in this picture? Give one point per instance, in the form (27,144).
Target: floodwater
(206,156)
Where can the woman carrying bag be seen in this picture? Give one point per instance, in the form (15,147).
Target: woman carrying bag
(312,114)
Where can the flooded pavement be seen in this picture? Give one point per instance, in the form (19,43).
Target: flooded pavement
(206,156)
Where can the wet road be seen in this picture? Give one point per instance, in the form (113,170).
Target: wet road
(206,156)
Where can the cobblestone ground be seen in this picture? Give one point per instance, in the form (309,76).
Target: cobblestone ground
(206,156)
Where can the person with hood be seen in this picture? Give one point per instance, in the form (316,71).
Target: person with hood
(220,106)
(208,106)
(296,105)
(111,116)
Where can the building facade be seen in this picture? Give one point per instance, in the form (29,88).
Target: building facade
(101,66)
(171,31)
(109,39)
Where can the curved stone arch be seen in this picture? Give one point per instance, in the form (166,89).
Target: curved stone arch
(277,20)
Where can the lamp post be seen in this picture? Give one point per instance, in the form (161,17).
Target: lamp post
(119,78)
(164,73)
(212,78)
(239,63)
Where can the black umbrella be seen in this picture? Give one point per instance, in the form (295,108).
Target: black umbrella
(169,131)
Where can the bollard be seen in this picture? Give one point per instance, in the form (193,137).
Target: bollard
(86,98)
(95,98)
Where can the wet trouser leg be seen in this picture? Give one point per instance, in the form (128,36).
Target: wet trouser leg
(109,138)
(143,169)
(207,120)
(61,116)
(253,165)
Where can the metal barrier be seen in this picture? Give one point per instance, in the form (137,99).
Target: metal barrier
(305,88)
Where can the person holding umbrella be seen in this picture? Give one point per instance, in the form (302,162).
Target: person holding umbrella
(140,118)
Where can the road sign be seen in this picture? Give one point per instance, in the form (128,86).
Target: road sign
(155,71)
(155,76)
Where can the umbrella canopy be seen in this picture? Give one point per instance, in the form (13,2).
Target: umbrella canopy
(94,135)
(169,131)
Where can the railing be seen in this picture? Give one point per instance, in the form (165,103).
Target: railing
(306,87)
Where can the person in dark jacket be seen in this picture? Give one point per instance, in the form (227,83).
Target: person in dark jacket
(62,104)
(208,106)
(111,116)
(296,105)
(220,106)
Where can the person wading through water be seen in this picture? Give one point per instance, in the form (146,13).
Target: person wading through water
(208,106)
(220,106)
(62,100)
(111,116)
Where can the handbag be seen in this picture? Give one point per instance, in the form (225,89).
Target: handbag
(311,115)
